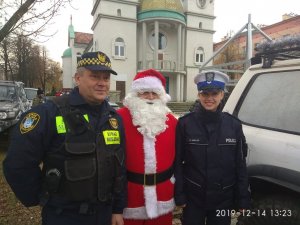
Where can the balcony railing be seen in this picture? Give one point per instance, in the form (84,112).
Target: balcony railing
(166,65)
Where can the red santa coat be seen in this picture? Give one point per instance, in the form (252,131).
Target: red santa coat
(149,155)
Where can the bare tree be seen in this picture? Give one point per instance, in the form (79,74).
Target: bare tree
(30,16)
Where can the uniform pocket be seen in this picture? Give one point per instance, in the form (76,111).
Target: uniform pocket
(228,154)
(80,182)
(80,169)
(80,148)
(194,190)
(196,154)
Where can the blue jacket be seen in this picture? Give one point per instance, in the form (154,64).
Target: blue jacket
(210,164)
(36,134)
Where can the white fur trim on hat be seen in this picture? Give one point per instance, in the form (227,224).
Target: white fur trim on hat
(147,83)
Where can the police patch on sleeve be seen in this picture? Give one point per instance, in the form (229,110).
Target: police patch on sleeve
(29,122)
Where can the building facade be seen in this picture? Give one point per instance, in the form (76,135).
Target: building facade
(172,36)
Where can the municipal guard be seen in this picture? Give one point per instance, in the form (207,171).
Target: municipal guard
(68,154)
(210,163)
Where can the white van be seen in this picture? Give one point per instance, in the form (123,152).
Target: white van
(267,101)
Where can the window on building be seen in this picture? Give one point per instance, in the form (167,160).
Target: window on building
(199,55)
(162,41)
(119,12)
(119,46)
(200,25)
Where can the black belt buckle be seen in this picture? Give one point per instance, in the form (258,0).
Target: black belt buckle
(149,176)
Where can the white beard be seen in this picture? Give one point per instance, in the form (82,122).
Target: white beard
(150,118)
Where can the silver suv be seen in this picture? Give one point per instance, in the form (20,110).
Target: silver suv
(13,103)
(267,101)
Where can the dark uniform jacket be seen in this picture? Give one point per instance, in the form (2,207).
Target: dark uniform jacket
(39,134)
(210,165)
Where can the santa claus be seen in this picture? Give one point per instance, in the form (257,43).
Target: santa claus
(150,151)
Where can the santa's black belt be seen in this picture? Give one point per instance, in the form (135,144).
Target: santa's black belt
(150,178)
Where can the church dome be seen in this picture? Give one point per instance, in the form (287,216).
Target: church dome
(67,53)
(174,5)
(164,9)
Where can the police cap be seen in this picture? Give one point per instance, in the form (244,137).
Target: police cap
(97,61)
(211,80)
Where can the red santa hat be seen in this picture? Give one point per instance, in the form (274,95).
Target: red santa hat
(150,80)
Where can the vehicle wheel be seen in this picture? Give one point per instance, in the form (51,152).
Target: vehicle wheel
(289,208)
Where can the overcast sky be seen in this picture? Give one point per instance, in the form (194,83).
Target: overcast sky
(231,15)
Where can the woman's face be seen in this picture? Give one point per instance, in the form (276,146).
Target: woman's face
(210,100)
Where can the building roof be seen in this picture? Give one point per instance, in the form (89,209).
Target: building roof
(174,5)
(165,9)
(67,53)
(83,38)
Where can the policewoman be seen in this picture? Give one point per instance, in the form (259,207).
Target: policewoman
(210,163)
(68,154)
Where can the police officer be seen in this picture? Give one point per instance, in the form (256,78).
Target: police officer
(210,166)
(68,154)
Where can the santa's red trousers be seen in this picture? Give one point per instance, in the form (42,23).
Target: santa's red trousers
(161,220)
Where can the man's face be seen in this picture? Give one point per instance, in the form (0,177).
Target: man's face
(210,100)
(93,85)
(149,95)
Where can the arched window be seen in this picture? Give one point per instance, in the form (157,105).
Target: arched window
(119,46)
(200,25)
(119,12)
(199,55)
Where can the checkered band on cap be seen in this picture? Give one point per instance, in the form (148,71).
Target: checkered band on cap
(94,59)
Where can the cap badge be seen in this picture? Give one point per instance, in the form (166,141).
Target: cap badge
(209,77)
(114,123)
(101,58)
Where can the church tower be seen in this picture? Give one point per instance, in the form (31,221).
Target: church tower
(199,37)
(115,28)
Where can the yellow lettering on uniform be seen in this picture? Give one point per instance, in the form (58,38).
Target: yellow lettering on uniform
(60,125)
(111,137)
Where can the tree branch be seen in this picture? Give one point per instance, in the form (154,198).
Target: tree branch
(7,28)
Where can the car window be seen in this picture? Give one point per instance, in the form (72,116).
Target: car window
(272,101)
(30,93)
(7,92)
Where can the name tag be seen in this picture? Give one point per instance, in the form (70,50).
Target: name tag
(111,137)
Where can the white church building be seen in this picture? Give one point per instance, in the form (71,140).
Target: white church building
(174,37)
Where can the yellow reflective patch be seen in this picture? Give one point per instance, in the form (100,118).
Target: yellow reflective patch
(60,125)
(86,117)
(29,122)
(111,137)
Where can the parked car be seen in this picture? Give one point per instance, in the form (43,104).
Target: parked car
(30,94)
(13,103)
(266,100)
